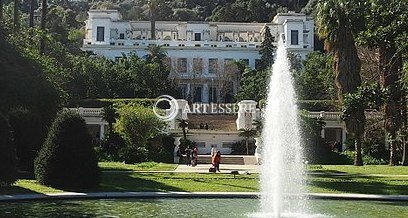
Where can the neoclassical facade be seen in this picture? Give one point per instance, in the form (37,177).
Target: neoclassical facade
(201,54)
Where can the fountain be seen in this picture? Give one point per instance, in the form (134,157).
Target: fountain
(282,175)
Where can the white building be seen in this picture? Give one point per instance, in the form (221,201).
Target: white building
(200,54)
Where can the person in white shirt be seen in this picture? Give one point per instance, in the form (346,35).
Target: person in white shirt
(213,150)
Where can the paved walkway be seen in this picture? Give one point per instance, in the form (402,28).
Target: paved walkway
(224,168)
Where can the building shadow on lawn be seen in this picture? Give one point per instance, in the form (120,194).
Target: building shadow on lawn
(359,183)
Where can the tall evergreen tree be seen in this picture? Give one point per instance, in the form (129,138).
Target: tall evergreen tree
(32,9)
(1,11)
(267,49)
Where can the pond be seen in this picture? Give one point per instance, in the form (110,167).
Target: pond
(201,207)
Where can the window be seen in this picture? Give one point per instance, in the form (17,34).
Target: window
(197,36)
(182,65)
(198,90)
(197,65)
(183,90)
(245,61)
(122,36)
(100,33)
(212,65)
(227,144)
(294,37)
(200,144)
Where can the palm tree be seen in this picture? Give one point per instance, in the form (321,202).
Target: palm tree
(258,123)
(152,12)
(156,54)
(247,133)
(336,26)
(183,124)
(110,115)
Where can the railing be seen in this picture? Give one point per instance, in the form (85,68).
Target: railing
(88,112)
(372,114)
(175,43)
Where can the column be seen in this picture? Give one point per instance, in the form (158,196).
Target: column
(205,93)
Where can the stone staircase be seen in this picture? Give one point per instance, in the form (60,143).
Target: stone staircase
(229,159)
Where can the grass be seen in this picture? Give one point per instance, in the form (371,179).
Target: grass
(124,177)
(367,169)
(146,166)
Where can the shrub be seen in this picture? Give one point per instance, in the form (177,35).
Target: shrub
(28,136)
(132,154)
(110,146)
(67,158)
(8,169)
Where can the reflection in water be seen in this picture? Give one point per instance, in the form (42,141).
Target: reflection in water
(202,207)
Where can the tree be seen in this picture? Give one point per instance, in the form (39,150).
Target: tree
(28,136)
(247,133)
(267,49)
(42,24)
(138,126)
(32,9)
(337,26)
(1,11)
(183,124)
(67,158)
(386,26)
(156,54)
(8,170)
(110,115)
(16,15)
(152,13)
(315,80)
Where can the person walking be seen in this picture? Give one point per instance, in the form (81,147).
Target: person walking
(216,160)
(195,156)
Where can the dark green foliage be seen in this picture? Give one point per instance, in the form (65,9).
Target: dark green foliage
(8,161)
(254,85)
(23,84)
(67,158)
(28,136)
(132,154)
(240,148)
(110,147)
(315,80)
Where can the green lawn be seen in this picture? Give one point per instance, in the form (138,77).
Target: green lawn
(122,177)
(367,169)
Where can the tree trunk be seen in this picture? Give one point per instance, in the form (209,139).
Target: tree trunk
(152,6)
(32,8)
(404,154)
(42,25)
(358,160)
(184,134)
(390,66)
(347,68)
(16,15)
(246,144)
(1,11)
